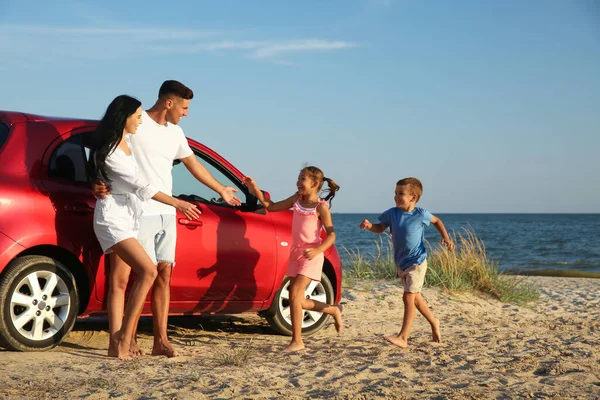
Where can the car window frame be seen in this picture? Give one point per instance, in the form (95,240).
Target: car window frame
(4,134)
(53,148)
(251,203)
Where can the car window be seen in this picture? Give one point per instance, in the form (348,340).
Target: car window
(188,188)
(69,161)
(3,134)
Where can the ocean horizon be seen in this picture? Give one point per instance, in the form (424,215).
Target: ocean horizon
(523,243)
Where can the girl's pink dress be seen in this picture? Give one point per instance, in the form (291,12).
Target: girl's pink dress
(306,234)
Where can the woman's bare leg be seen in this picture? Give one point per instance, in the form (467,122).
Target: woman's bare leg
(132,253)
(118,277)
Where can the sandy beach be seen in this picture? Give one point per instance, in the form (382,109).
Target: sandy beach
(489,350)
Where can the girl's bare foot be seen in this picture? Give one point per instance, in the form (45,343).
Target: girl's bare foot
(397,341)
(435,331)
(339,326)
(294,346)
(163,348)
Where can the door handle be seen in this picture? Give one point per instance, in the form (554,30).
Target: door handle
(190,222)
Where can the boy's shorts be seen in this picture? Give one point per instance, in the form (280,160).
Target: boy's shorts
(413,277)
(158,235)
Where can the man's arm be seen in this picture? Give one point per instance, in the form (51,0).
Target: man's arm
(203,176)
(100,189)
(442,230)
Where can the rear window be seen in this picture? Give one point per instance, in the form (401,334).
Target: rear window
(68,162)
(3,134)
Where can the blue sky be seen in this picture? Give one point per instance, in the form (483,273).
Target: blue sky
(494,105)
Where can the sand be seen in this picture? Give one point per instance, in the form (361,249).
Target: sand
(490,349)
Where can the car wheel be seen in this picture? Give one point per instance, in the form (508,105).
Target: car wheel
(312,321)
(38,303)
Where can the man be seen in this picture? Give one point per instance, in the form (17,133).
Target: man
(158,142)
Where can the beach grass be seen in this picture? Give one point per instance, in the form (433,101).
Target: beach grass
(467,268)
(237,356)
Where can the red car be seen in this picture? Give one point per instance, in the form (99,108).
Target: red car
(232,260)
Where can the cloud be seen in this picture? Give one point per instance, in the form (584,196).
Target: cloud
(309,45)
(56,44)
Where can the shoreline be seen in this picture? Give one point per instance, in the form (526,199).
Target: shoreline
(489,349)
(555,273)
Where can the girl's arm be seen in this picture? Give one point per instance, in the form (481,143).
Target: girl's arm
(442,230)
(325,217)
(375,228)
(268,203)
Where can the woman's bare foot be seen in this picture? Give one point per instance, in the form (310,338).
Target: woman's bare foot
(294,346)
(397,341)
(163,348)
(339,326)
(435,331)
(119,348)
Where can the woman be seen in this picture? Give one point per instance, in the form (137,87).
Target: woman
(116,216)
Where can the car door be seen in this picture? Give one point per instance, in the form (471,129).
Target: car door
(65,179)
(226,260)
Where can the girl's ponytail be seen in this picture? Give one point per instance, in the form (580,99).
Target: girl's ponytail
(332,187)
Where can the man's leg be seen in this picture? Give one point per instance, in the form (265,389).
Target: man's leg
(149,228)
(161,292)
(161,298)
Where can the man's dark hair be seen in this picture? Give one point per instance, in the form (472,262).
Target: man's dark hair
(175,88)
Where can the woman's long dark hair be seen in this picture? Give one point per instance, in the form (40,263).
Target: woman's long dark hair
(109,133)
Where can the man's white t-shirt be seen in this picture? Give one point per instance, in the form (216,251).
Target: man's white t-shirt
(155,148)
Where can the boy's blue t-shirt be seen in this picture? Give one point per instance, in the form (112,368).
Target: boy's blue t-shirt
(408,234)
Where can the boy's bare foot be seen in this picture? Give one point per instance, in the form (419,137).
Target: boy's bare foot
(339,326)
(294,346)
(119,348)
(397,341)
(435,331)
(163,348)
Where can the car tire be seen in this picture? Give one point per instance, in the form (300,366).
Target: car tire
(312,321)
(39,303)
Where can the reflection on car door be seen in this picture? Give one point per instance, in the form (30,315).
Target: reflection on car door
(225,261)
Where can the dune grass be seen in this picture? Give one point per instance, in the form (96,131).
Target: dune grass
(238,356)
(466,268)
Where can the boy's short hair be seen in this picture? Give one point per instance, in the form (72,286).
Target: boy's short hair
(415,186)
(175,88)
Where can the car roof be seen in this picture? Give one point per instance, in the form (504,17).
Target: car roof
(12,117)
(61,125)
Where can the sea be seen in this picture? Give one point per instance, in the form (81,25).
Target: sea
(529,244)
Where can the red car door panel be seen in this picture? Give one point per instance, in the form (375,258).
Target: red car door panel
(228,256)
